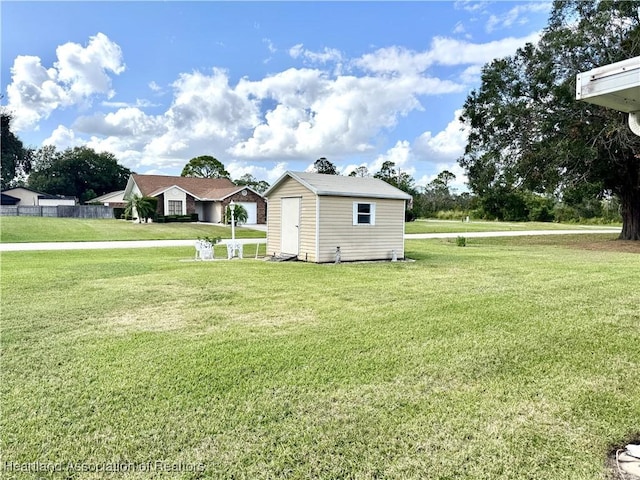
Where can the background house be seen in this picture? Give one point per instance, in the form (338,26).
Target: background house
(311,214)
(208,197)
(113,199)
(30,198)
(9,200)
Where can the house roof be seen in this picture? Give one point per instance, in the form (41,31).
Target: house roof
(9,200)
(49,196)
(200,188)
(108,196)
(341,186)
(18,189)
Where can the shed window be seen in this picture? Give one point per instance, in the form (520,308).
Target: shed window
(175,207)
(364,213)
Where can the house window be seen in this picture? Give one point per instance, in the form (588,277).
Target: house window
(174,207)
(364,213)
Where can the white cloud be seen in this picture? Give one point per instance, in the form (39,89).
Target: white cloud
(443,51)
(270,173)
(139,103)
(270,46)
(318,115)
(291,117)
(471,5)
(84,69)
(63,138)
(448,51)
(444,147)
(516,16)
(459,28)
(400,154)
(325,56)
(471,75)
(78,75)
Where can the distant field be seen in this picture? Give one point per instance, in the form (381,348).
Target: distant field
(43,229)
(511,358)
(451,226)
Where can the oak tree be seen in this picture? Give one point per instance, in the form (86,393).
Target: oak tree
(205,166)
(528,131)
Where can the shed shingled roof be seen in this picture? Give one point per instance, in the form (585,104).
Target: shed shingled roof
(341,186)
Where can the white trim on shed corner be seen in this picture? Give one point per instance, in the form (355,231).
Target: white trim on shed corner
(317,239)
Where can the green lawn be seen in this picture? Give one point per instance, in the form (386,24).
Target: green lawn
(449,226)
(43,229)
(501,360)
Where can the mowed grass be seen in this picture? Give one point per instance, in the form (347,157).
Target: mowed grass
(501,360)
(43,229)
(451,226)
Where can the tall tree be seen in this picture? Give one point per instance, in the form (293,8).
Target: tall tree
(14,159)
(80,172)
(322,165)
(438,197)
(395,177)
(361,171)
(528,131)
(205,166)
(249,180)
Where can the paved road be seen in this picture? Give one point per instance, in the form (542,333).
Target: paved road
(15,247)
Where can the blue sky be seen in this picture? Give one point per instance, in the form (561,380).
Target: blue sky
(262,86)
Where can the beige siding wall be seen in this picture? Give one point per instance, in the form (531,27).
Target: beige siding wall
(360,242)
(291,188)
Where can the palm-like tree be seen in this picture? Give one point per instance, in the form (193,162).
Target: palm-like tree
(140,207)
(240,214)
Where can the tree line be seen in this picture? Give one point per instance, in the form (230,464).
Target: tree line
(439,199)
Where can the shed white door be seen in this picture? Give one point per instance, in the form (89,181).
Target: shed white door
(290,225)
(252,212)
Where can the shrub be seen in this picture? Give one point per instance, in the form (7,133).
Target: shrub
(451,215)
(540,208)
(461,241)
(177,218)
(564,213)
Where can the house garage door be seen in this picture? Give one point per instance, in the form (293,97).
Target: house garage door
(252,212)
